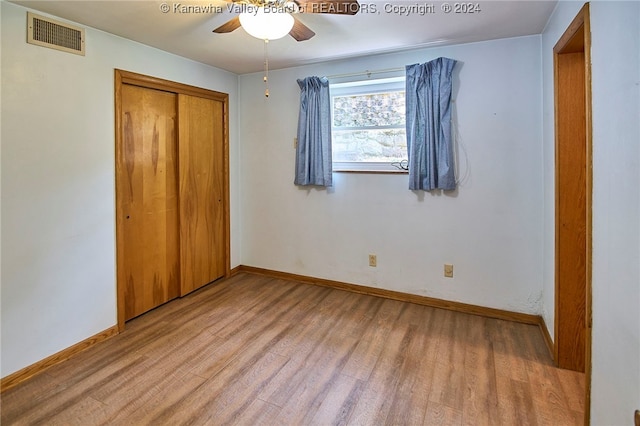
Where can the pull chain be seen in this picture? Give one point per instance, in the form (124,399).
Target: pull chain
(266,68)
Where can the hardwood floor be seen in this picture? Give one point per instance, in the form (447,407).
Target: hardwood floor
(254,350)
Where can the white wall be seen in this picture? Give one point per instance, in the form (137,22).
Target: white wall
(615,34)
(491,229)
(58,208)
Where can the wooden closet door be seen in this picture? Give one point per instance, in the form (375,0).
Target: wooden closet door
(148,243)
(201,172)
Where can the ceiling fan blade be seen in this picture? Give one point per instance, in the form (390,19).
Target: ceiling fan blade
(228,26)
(300,31)
(336,7)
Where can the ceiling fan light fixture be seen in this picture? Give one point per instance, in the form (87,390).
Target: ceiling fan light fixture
(266,25)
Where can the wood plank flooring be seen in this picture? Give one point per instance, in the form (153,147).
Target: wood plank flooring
(254,350)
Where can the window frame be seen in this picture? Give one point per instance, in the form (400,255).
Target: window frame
(363,87)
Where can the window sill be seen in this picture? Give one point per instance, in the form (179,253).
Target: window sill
(375,172)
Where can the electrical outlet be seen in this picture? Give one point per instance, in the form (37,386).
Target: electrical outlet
(448,270)
(373,260)
(295,143)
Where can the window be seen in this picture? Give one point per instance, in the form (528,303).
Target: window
(368,125)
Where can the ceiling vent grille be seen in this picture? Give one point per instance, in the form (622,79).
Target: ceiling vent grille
(46,32)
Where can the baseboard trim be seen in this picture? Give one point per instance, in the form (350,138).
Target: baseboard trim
(403,297)
(21,375)
(234,271)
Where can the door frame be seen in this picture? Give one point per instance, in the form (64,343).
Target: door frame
(570,41)
(122,77)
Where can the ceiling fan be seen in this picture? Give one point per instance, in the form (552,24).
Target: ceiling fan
(273,19)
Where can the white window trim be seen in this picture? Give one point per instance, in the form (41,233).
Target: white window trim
(370,166)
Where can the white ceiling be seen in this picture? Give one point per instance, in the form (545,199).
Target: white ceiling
(376,29)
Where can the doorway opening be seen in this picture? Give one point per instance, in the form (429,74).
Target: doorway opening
(573,174)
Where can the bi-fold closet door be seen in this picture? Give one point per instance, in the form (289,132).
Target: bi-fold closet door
(171,191)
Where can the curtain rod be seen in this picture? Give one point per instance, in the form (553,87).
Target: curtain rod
(367,73)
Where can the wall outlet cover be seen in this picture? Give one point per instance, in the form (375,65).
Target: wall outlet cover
(448,270)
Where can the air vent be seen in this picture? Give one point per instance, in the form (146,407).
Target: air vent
(46,32)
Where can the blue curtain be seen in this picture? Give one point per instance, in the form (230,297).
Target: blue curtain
(429,141)
(313,153)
